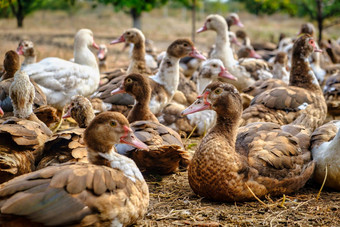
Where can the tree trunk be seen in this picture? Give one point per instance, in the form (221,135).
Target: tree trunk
(20,20)
(193,21)
(319,19)
(136,17)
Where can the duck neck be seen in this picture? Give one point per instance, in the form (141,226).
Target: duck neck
(137,64)
(227,128)
(168,74)
(30,57)
(84,56)
(202,83)
(141,111)
(107,156)
(223,46)
(302,75)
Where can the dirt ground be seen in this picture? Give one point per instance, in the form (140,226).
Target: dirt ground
(172,202)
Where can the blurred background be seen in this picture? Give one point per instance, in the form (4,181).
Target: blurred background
(51,24)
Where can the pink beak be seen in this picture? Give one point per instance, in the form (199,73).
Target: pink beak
(130,139)
(19,50)
(199,105)
(95,45)
(101,54)
(235,41)
(67,114)
(194,53)
(202,29)
(119,40)
(318,50)
(224,73)
(239,23)
(253,54)
(1,112)
(118,90)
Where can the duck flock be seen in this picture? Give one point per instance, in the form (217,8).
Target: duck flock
(264,112)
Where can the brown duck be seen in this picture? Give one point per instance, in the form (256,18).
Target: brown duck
(166,152)
(302,102)
(110,191)
(21,137)
(231,162)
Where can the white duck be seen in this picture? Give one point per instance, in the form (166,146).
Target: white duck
(326,154)
(61,79)
(224,52)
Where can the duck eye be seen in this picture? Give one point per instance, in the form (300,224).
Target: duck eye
(113,123)
(208,20)
(218,91)
(185,44)
(311,42)
(128,80)
(128,33)
(214,65)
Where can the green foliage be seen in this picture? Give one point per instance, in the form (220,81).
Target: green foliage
(136,5)
(259,7)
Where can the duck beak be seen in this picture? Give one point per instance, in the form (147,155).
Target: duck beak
(194,53)
(130,138)
(239,23)
(224,73)
(118,90)
(95,45)
(68,113)
(253,54)
(19,50)
(101,54)
(318,50)
(202,29)
(119,40)
(1,112)
(200,104)
(235,41)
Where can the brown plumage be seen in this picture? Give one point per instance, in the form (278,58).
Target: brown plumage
(166,152)
(302,102)
(163,85)
(265,157)
(22,136)
(12,65)
(68,145)
(331,92)
(113,194)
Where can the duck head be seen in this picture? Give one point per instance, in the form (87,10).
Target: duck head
(80,109)
(11,63)
(221,97)
(84,37)
(136,85)
(212,68)
(102,52)
(234,20)
(184,47)
(108,129)
(25,48)
(213,22)
(132,35)
(304,46)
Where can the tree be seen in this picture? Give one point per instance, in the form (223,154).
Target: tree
(321,11)
(21,8)
(135,7)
